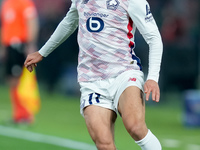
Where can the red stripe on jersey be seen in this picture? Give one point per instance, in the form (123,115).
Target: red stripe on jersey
(131,44)
(130,35)
(130,28)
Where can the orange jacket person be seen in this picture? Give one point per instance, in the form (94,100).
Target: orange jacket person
(19,29)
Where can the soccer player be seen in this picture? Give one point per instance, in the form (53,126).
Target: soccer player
(19,28)
(109,72)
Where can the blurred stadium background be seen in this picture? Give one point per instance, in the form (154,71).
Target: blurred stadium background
(60,126)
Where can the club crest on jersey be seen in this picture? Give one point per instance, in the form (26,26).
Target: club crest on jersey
(112,4)
(149,16)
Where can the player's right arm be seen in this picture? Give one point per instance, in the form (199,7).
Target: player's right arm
(65,28)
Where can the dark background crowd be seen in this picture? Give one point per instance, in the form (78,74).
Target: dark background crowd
(178,22)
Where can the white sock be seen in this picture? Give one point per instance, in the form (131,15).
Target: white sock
(149,142)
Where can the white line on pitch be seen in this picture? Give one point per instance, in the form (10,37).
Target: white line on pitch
(171,143)
(193,147)
(36,137)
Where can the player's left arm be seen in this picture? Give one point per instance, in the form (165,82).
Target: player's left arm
(141,15)
(155,55)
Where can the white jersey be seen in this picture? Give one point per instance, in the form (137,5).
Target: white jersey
(106,37)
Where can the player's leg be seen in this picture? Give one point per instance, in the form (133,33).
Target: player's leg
(132,108)
(100,123)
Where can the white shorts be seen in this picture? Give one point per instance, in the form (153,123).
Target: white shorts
(106,93)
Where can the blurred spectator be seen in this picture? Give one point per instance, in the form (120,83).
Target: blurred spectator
(19,30)
(180,33)
(51,8)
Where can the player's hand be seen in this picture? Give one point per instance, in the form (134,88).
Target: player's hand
(32,60)
(151,86)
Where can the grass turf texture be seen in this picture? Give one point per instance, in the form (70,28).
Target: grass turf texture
(59,116)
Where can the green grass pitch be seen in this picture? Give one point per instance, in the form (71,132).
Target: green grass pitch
(59,116)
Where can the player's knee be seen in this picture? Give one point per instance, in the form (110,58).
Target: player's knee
(105,145)
(136,128)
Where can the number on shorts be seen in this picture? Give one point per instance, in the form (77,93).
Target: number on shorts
(96,98)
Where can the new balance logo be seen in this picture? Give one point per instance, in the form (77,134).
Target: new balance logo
(132,79)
